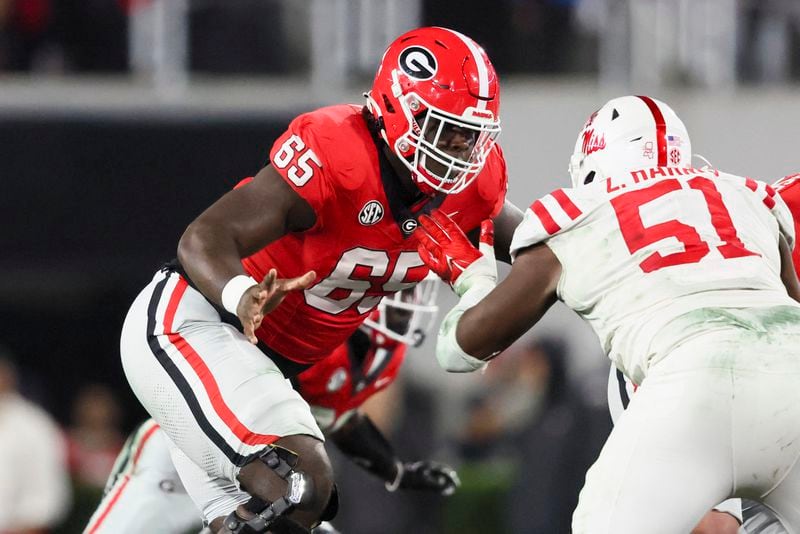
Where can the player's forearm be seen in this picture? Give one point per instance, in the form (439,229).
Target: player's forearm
(449,351)
(363,443)
(488,319)
(210,257)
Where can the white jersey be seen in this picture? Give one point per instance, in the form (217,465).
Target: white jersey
(670,240)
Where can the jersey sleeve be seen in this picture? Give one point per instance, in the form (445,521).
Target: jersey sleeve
(546,217)
(496,190)
(777,206)
(299,158)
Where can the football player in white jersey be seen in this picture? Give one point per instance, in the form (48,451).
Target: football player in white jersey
(686,276)
(757,518)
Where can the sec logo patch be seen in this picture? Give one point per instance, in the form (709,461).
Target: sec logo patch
(371,213)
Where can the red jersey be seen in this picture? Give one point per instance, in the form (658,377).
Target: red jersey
(789,190)
(354,372)
(361,246)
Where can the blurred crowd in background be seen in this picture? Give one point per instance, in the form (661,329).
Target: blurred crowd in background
(529,430)
(272,36)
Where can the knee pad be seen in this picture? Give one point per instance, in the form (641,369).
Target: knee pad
(272,515)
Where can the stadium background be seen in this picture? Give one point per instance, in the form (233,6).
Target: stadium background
(122,120)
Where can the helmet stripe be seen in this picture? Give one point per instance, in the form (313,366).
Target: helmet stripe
(483,73)
(661,129)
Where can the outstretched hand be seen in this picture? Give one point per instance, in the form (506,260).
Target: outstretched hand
(261,299)
(445,248)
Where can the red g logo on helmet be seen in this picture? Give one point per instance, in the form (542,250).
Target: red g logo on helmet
(436,100)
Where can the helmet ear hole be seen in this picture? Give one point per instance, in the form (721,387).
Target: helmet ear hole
(589,178)
(387,104)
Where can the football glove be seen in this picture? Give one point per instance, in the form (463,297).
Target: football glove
(447,251)
(425,475)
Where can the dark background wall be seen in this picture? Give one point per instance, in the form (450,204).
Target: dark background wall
(89,208)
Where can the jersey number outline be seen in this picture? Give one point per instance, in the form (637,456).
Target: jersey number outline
(342,279)
(637,235)
(286,153)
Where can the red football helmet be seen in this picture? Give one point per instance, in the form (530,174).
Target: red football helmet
(434,84)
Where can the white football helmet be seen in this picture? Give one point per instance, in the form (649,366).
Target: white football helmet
(406,316)
(629,133)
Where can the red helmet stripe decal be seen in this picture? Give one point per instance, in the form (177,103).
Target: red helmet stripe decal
(661,129)
(483,72)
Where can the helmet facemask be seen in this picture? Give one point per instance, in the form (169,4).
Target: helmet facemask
(433,167)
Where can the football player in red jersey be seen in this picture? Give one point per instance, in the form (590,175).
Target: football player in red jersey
(145,494)
(280,271)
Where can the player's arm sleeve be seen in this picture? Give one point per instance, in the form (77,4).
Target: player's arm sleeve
(363,443)
(546,217)
(299,159)
(529,232)
(498,187)
(486,198)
